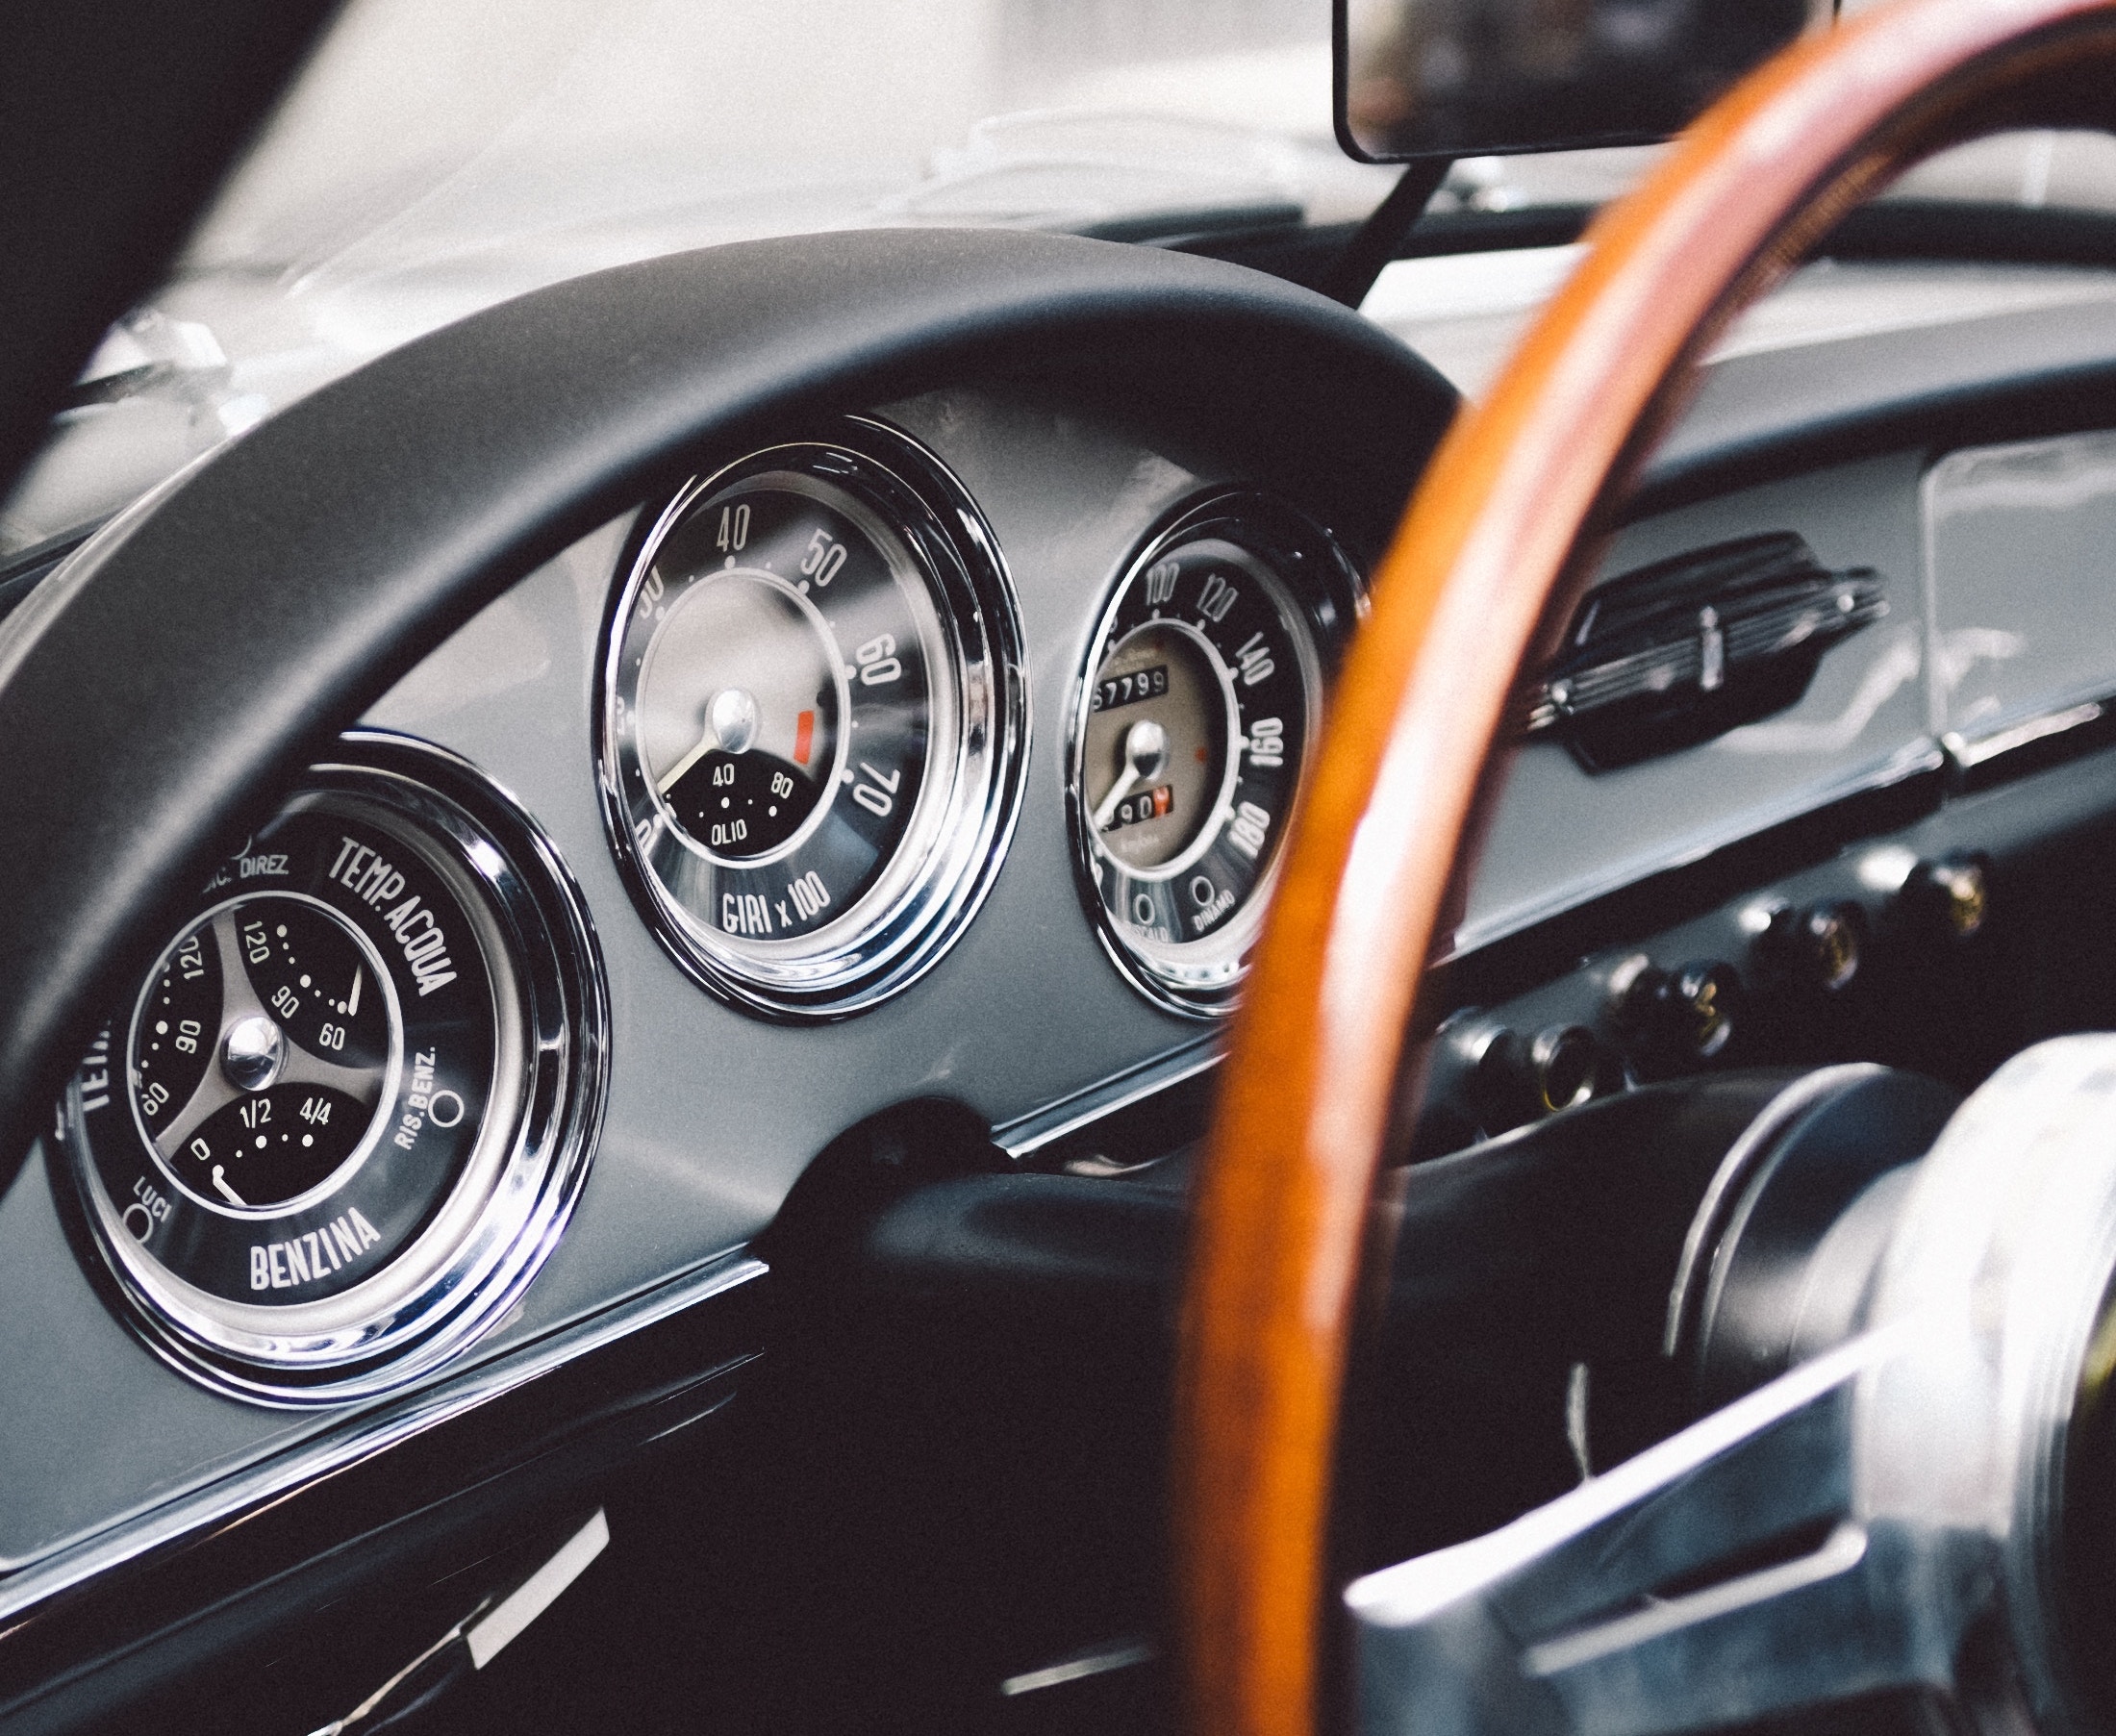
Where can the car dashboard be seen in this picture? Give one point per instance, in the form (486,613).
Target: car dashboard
(1032,658)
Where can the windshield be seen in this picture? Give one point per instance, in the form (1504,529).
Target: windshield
(439,156)
(483,120)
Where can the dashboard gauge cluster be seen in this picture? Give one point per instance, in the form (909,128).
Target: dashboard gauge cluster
(813,721)
(1199,705)
(344,1116)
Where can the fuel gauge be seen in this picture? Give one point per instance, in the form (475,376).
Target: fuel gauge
(263,1051)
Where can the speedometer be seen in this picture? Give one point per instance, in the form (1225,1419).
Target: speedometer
(813,721)
(1200,700)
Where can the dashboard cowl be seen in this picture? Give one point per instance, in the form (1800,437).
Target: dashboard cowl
(160,691)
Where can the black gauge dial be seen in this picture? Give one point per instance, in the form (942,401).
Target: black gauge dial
(261,1054)
(344,1025)
(296,1146)
(778,670)
(278,1143)
(308,969)
(798,714)
(1195,720)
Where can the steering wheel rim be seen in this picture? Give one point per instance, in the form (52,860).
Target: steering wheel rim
(1494,548)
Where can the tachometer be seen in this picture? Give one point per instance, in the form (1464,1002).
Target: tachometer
(341,1120)
(813,721)
(1200,700)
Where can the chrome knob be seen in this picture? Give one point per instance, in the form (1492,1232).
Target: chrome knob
(733,718)
(252,1052)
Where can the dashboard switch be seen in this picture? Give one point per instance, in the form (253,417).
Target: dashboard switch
(1564,1065)
(1950,897)
(1698,1009)
(1671,1019)
(1635,988)
(1507,1081)
(1817,948)
(1491,1072)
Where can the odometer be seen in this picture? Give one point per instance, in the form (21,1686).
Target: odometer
(1196,710)
(811,706)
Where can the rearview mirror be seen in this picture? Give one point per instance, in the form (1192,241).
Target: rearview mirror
(1475,78)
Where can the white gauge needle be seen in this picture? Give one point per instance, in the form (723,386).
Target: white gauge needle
(706,744)
(1146,753)
(227,1193)
(352,1000)
(730,723)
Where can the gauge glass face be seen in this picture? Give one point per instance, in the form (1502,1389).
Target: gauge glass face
(308,1069)
(1157,757)
(781,661)
(315,1148)
(1195,717)
(800,681)
(262,1053)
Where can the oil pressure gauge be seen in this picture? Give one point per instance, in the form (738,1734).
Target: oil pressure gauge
(342,1118)
(1197,708)
(812,722)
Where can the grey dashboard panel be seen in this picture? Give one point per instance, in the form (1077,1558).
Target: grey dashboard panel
(711,1113)
(269,595)
(2022,541)
(1998,564)
(272,595)
(1563,835)
(95,1429)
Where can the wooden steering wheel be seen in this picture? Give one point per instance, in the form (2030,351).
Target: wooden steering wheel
(1488,558)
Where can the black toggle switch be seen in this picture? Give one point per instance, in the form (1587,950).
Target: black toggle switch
(1675,1018)
(1817,948)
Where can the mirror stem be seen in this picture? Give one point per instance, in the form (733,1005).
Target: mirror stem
(1374,243)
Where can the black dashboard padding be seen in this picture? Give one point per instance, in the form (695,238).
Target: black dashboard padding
(155,695)
(2025,374)
(988,1356)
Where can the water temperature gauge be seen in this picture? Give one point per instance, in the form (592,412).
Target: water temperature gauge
(264,1050)
(337,1126)
(1196,714)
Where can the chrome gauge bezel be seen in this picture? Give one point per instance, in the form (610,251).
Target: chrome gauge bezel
(938,872)
(468,1263)
(1322,595)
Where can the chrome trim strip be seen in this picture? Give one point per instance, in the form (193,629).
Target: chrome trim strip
(494,1631)
(1022,1138)
(363,1436)
(1079,1669)
(1970,754)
